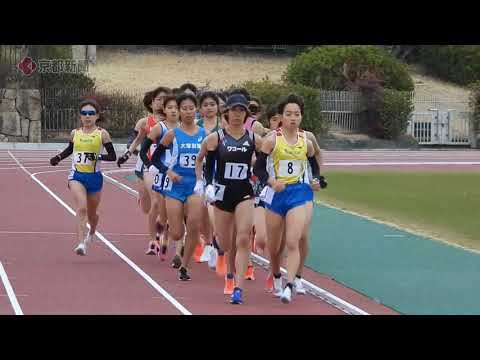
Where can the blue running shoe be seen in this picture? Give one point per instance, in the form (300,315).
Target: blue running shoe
(236,296)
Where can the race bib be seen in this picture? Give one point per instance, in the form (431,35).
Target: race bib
(219,192)
(188,160)
(84,158)
(167,185)
(267,195)
(288,168)
(157,181)
(235,171)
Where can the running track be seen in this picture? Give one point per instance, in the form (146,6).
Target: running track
(40,274)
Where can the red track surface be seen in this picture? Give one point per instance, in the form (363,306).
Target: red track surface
(36,243)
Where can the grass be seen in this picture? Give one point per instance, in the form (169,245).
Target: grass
(121,69)
(442,205)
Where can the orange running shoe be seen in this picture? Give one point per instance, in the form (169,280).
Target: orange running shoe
(229,286)
(221,266)
(249,275)
(198,252)
(269,285)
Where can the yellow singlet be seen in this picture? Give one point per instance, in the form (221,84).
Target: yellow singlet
(289,160)
(86,148)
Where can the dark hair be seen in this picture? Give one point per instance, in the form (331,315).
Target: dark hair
(188,86)
(271,112)
(169,98)
(291,99)
(150,95)
(92,102)
(175,91)
(242,91)
(257,100)
(208,95)
(222,95)
(184,96)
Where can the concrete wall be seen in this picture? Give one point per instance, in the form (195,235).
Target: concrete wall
(20,115)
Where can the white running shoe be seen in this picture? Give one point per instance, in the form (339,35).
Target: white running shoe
(81,249)
(277,287)
(287,295)
(212,261)
(299,289)
(207,249)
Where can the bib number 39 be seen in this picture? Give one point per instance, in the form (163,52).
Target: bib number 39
(188,160)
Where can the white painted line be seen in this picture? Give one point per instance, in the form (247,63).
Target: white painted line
(394,236)
(355,310)
(134,266)
(10,292)
(60,233)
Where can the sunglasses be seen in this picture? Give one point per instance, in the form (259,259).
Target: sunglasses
(88,113)
(253,109)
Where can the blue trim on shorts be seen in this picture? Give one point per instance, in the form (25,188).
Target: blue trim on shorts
(293,196)
(92,182)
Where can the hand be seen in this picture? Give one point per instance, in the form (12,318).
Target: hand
(55,160)
(210,194)
(278,186)
(323,182)
(123,159)
(315,185)
(198,187)
(174,176)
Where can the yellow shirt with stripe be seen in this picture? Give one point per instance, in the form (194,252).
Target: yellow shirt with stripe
(86,148)
(289,160)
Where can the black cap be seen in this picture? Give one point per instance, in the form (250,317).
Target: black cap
(237,100)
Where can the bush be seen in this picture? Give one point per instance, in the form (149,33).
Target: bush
(325,67)
(456,63)
(270,94)
(394,112)
(474,104)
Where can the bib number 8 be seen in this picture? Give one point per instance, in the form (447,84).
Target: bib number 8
(290,168)
(188,160)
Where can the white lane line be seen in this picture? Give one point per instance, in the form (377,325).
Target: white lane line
(7,232)
(134,266)
(321,292)
(10,292)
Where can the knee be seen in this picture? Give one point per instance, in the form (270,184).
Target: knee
(243,240)
(82,211)
(175,233)
(292,245)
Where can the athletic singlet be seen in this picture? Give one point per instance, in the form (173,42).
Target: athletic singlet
(249,123)
(151,122)
(185,150)
(201,123)
(86,148)
(233,158)
(289,160)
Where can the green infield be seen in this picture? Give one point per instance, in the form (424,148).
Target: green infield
(442,205)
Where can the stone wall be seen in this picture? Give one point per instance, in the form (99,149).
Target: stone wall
(20,115)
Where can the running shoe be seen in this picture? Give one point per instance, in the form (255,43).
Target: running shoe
(207,250)
(269,285)
(221,266)
(151,248)
(176,262)
(212,261)
(249,275)
(286,297)
(277,287)
(299,289)
(229,285)
(183,274)
(81,249)
(236,296)
(163,253)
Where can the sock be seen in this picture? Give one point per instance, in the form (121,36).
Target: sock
(277,276)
